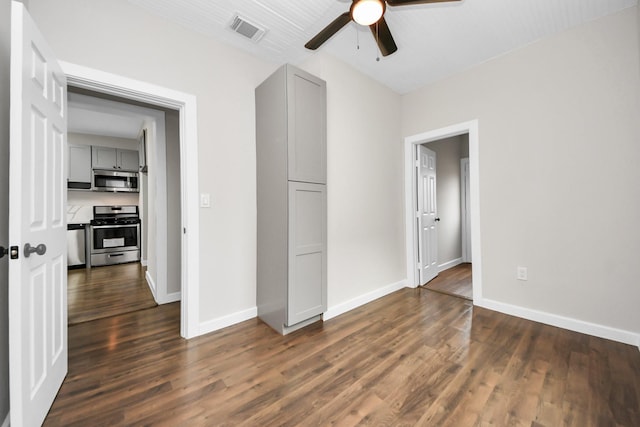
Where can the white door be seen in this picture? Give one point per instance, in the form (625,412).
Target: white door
(37,224)
(427,215)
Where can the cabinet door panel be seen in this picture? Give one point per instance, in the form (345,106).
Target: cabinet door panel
(307,251)
(307,149)
(79,163)
(103,157)
(128,160)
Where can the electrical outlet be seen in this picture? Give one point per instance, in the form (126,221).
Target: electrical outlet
(205,200)
(521,273)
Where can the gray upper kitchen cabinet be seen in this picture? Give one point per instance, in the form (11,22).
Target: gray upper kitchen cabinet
(79,166)
(114,158)
(128,160)
(291,199)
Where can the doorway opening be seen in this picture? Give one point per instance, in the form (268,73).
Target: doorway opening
(142,142)
(451,266)
(137,92)
(472,205)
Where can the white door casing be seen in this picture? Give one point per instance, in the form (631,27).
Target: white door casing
(427,214)
(472,129)
(37,197)
(137,90)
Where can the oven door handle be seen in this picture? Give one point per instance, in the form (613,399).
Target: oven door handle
(115,226)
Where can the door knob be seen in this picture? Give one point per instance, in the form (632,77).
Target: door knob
(40,249)
(437,219)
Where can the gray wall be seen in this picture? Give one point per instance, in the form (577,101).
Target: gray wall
(223,79)
(5,26)
(366,253)
(549,199)
(449,151)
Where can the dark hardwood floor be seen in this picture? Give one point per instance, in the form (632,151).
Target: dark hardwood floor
(455,281)
(414,357)
(107,291)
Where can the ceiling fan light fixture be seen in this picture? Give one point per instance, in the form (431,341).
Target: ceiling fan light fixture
(367,12)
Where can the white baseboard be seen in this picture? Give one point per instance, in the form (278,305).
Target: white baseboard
(169,298)
(6,422)
(157,296)
(152,285)
(143,262)
(619,335)
(228,320)
(343,307)
(449,264)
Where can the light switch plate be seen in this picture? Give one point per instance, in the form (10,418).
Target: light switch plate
(205,200)
(522,273)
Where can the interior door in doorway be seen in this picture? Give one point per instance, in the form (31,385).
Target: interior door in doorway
(37,224)
(427,214)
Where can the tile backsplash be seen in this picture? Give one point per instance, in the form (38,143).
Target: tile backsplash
(80,203)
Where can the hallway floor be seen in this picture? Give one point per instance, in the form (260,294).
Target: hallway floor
(455,281)
(107,291)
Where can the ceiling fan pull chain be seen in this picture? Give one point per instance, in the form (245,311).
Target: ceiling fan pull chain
(357,39)
(377,42)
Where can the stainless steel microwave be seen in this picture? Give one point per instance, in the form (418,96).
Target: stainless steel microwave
(106,180)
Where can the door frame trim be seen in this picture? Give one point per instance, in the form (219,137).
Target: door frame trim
(471,128)
(100,81)
(465,184)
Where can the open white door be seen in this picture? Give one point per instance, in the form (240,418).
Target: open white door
(427,214)
(37,224)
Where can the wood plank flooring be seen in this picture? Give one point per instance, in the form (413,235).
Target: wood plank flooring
(412,358)
(455,281)
(107,291)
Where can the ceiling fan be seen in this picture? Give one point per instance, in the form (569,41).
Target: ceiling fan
(371,14)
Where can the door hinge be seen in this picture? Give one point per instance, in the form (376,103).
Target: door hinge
(184,230)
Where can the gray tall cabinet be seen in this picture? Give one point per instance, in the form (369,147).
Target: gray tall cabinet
(291,154)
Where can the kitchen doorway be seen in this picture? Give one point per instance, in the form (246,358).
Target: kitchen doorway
(140,145)
(142,93)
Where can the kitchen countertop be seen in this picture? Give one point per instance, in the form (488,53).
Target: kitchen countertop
(79,214)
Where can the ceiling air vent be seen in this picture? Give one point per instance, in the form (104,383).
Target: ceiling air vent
(251,31)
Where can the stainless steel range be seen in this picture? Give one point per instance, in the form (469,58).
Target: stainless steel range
(115,235)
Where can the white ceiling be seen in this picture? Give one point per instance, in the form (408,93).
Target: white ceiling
(95,116)
(434,40)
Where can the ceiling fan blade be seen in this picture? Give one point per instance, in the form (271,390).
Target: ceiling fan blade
(410,2)
(382,34)
(329,31)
